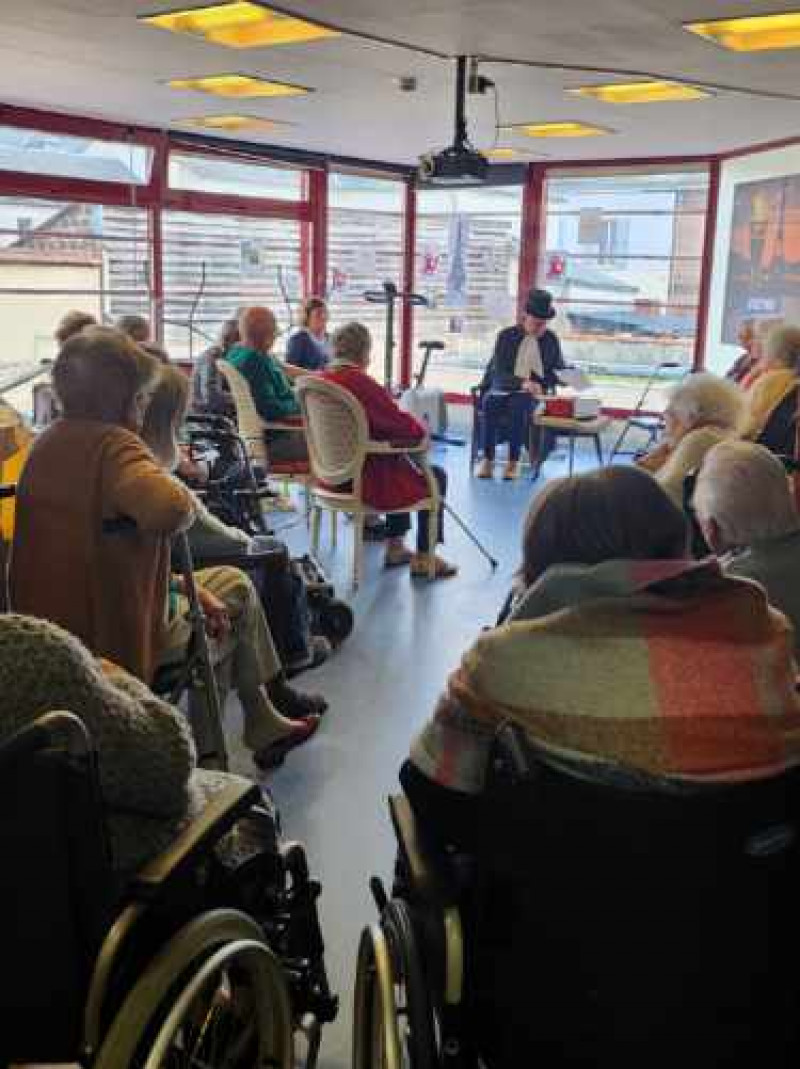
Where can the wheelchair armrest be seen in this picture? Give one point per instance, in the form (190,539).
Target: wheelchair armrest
(194,842)
(248,559)
(428,868)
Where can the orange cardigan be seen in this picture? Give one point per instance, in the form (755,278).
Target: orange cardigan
(110,590)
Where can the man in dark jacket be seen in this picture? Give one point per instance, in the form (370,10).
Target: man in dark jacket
(524,365)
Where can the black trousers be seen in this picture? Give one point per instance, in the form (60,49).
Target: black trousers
(399,523)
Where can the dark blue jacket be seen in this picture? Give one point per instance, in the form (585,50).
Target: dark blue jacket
(499,374)
(305,351)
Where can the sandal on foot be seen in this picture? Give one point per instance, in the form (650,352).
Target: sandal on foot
(273,755)
(442,569)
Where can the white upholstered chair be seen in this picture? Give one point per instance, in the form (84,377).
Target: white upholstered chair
(339,444)
(252,427)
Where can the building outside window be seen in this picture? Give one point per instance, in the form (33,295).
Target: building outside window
(215,264)
(467,266)
(623,258)
(365,250)
(56,256)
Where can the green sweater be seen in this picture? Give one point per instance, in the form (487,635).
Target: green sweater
(270,386)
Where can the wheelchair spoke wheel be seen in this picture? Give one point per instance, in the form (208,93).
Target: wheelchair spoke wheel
(215,997)
(225,1017)
(376,1040)
(415,1018)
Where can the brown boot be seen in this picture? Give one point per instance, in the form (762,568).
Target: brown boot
(511,470)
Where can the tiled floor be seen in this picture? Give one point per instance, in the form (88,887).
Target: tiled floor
(382,684)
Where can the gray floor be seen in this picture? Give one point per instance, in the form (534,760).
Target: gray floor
(381,685)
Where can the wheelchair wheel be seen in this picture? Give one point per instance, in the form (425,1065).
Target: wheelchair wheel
(335,621)
(413,1005)
(376,1038)
(214,997)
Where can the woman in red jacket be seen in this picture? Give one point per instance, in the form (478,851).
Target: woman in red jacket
(388,482)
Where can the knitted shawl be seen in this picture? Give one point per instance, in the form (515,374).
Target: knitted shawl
(668,669)
(146,758)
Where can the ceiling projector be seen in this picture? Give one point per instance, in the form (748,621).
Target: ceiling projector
(457,165)
(460,164)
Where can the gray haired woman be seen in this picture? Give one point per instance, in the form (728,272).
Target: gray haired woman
(702,411)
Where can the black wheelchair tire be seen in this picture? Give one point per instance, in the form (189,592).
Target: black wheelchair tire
(421,1046)
(335,621)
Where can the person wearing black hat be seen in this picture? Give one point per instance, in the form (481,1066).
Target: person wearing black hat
(524,365)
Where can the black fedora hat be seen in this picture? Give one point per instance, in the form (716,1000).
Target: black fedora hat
(540,304)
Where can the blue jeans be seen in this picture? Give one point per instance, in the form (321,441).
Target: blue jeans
(512,409)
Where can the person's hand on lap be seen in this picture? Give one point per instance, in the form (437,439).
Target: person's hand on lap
(218,623)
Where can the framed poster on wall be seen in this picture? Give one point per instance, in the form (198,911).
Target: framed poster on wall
(763,279)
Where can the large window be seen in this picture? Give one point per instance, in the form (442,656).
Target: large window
(213,264)
(209,174)
(623,257)
(59,155)
(365,249)
(467,265)
(56,256)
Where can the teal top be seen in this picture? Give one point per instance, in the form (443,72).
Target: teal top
(269,384)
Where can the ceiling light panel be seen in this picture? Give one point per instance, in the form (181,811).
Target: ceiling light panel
(655,92)
(558,129)
(232,123)
(238,86)
(240,24)
(753,33)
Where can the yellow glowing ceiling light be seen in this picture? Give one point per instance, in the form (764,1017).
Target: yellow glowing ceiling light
(238,86)
(752,33)
(240,24)
(558,129)
(640,92)
(233,123)
(501,153)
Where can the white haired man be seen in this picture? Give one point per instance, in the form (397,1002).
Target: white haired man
(702,411)
(744,505)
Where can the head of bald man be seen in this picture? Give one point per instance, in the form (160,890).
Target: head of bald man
(258,328)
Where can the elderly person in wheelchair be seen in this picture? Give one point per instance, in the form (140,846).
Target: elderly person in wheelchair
(106,814)
(651,704)
(612,632)
(89,469)
(246,639)
(393,481)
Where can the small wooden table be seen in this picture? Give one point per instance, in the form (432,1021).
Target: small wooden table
(572,428)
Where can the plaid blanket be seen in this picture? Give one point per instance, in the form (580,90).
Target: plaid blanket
(666,668)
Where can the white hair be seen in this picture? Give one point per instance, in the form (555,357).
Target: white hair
(744,489)
(782,346)
(706,399)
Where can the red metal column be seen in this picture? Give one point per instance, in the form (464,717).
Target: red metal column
(533,209)
(316,275)
(159,183)
(707,266)
(407,283)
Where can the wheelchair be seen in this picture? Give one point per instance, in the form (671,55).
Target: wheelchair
(235,493)
(170,970)
(589,924)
